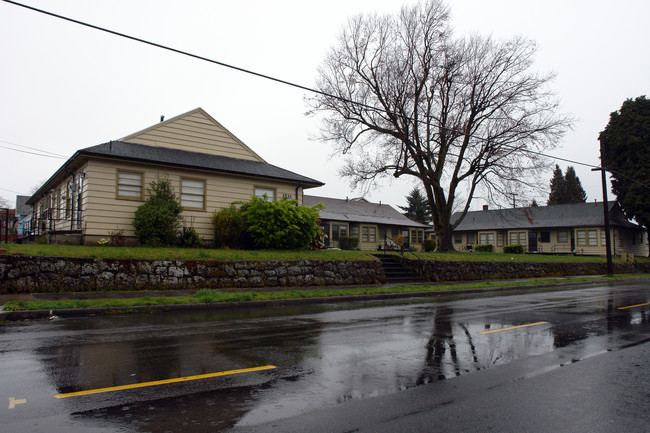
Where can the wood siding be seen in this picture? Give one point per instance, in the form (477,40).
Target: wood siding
(104,213)
(622,241)
(195,131)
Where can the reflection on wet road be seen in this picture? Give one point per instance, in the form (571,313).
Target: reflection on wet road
(325,355)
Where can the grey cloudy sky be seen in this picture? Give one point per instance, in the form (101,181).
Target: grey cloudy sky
(64,87)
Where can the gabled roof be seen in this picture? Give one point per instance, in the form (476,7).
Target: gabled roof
(195,160)
(194,131)
(360,211)
(539,217)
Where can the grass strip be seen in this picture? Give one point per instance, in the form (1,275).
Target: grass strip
(213,296)
(152,253)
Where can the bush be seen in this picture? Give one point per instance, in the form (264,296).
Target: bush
(348,243)
(157,220)
(229,227)
(281,224)
(429,245)
(190,238)
(513,249)
(483,248)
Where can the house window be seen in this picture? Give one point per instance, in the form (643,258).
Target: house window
(268,192)
(339,230)
(420,236)
(518,238)
(603,240)
(470,238)
(592,237)
(499,239)
(458,238)
(354,231)
(486,238)
(193,193)
(581,237)
(129,185)
(563,237)
(368,234)
(545,237)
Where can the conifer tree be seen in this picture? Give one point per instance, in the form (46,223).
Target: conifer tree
(417,208)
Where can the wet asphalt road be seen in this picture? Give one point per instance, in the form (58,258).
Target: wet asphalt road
(552,361)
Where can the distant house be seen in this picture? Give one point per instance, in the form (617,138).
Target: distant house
(376,225)
(569,228)
(98,189)
(23,215)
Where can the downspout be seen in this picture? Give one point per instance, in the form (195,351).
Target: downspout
(297,188)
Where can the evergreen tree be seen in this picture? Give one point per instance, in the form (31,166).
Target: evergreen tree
(417,208)
(575,192)
(157,220)
(558,188)
(566,189)
(626,154)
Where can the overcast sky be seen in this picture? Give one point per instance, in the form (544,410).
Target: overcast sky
(64,87)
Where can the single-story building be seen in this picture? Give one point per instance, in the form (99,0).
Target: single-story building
(562,229)
(376,225)
(98,189)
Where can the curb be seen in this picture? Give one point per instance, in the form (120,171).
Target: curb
(11,316)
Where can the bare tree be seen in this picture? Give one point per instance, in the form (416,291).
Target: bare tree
(400,96)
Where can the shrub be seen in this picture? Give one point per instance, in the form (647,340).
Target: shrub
(429,245)
(319,239)
(117,238)
(348,242)
(513,249)
(157,220)
(280,224)
(190,238)
(229,226)
(483,248)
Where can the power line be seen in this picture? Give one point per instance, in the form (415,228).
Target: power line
(277,80)
(32,153)
(33,148)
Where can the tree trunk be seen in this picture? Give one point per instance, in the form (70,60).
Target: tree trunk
(445,236)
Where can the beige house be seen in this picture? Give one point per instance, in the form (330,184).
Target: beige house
(562,229)
(98,189)
(376,225)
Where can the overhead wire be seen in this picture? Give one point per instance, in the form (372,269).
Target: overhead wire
(33,148)
(281,81)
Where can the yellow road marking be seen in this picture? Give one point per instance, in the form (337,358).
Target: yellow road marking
(13,402)
(163,382)
(512,327)
(632,306)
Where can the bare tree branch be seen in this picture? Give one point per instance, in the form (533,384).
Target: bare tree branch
(452,112)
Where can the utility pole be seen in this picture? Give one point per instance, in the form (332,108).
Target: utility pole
(608,242)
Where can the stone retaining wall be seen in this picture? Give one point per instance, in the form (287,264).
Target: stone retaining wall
(472,271)
(24,274)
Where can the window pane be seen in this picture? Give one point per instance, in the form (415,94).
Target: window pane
(270,193)
(562,236)
(193,193)
(582,237)
(129,184)
(490,238)
(593,237)
(522,238)
(499,239)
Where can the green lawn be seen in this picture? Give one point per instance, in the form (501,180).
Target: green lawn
(226,254)
(213,296)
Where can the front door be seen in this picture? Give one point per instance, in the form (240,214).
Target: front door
(532,242)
